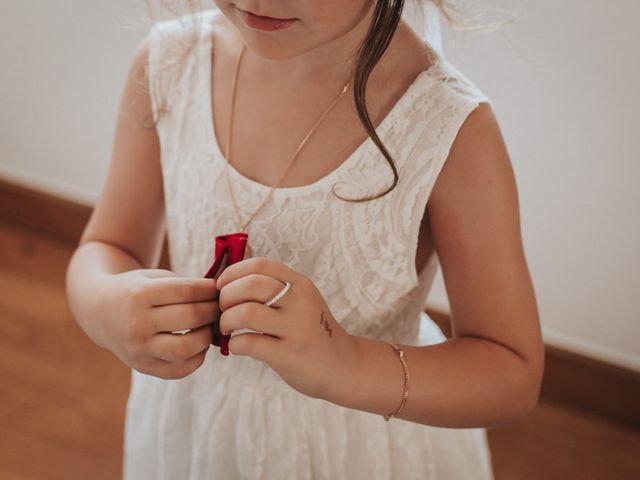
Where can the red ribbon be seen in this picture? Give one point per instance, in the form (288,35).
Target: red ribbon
(229,250)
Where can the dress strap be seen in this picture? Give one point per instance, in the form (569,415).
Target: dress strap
(173,47)
(444,112)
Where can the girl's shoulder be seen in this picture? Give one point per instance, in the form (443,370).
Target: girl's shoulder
(181,48)
(452,82)
(185,25)
(439,78)
(175,38)
(176,46)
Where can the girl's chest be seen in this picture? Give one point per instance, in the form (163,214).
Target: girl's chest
(285,147)
(297,135)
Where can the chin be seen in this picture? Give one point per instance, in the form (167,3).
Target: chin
(276,45)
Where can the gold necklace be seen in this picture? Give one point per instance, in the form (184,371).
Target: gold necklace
(241,226)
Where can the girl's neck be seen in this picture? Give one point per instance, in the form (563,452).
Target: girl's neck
(330,65)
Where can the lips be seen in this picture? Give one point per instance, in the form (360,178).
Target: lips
(262,22)
(265,17)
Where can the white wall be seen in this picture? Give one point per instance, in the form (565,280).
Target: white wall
(563,81)
(62,69)
(563,84)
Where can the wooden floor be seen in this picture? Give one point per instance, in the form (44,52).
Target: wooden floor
(62,398)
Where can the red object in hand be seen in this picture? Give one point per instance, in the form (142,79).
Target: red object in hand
(229,250)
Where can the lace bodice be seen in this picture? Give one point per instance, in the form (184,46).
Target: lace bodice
(361,256)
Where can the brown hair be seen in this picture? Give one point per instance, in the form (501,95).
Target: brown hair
(386,17)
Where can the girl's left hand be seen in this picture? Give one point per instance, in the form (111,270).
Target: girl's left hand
(300,339)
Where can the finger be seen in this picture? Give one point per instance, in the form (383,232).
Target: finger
(176,348)
(254,287)
(253,316)
(183,316)
(172,371)
(170,290)
(256,345)
(261,265)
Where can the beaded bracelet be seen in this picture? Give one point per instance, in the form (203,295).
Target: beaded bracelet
(406,381)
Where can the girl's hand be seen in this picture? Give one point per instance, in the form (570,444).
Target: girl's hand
(142,307)
(297,336)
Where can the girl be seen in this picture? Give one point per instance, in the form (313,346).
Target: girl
(329,338)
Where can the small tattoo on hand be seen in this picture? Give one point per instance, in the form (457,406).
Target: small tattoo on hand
(325,323)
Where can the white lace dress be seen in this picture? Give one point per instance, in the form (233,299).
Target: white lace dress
(234,417)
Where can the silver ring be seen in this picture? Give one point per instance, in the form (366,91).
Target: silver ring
(280,294)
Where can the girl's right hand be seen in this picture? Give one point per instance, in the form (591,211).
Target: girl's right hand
(142,307)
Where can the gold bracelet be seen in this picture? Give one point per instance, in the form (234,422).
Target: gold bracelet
(406,381)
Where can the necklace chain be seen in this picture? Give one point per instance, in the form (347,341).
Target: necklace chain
(227,157)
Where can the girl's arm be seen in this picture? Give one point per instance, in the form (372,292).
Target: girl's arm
(118,298)
(490,371)
(125,230)
(126,225)
(130,210)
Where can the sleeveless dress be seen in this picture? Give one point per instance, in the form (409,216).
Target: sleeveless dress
(234,417)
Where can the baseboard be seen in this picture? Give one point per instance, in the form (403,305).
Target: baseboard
(44,212)
(574,379)
(48,214)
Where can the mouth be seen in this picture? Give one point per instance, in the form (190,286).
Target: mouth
(263,22)
(265,17)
